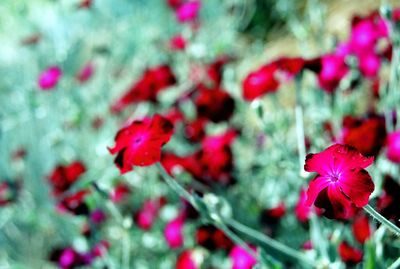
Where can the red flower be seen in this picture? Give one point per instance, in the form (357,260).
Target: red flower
(146,216)
(349,254)
(177,42)
(195,130)
(274,214)
(214,104)
(341,181)
(367,135)
(186,260)
(212,238)
(389,201)
(361,229)
(214,70)
(64,176)
(120,192)
(333,70)
(147,88)
(260,82)
(74,203)
(140,143)
(85,73)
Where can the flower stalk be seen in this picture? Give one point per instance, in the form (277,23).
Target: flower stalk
(392,227)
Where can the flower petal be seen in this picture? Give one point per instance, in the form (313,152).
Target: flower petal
(335,203)
(357,185)
(316,186)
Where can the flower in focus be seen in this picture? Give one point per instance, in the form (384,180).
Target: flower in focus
(393,147)
(188,11)
(64,176)
(49,78)
(173,232)
(140,143)
(349,254)
(361,229)
(341,182)
(241,258)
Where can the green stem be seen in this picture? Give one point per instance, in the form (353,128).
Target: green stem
(273,244)
(382,220)
(301,148)
(279,247)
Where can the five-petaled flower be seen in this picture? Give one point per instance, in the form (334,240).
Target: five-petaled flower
(140,143)
(341,183)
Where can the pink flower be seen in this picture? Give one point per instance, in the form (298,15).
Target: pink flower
(188,11)
(177,42)
(302,210)
(393,145)
(332,72)
(241,258)
(173,233)
(341,182)
(85,73)
(49,78)
(369,64)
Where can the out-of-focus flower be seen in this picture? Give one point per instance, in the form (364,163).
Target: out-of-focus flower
(173,232)
(367,135)
(214,69)
(31,40)
(260,82)
(8,192)
(332,72)
(241,258)
(188,11)
(214,104)
(177,42)
(69,258)
(146,216)
(369,64)
(274,214)
(120,192)
(349,254)
(85,73)
(49,78)
(140,143)
(361,229)
(74,203)
(393,147)
(64,176)
(213,238)
(85,4)
(188,260)
(389,201)
(302,210)
(98,216)
(341,181)
(195,130)
(147,87)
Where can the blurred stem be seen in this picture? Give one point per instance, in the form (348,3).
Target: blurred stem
(126,249)
(395,265)
(273,244)
(382,219)
(316,235)
(301,148)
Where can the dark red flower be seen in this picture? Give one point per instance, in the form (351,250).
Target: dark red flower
(214,104)
(64,176)
(74,203)
(31,40)
(140,143)
(349,254)
(147,88)
(85,4)
(195,130)
(274,214)
(367,135)
(213,238)
(361,229)
(214,70)
(341,182)
(389,201)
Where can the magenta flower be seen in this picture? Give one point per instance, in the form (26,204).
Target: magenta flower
(49,78)
(341,183)
(393,145)
(333,71)
(85,73)
(173,233)
(370,64)
(241,258)
(188,11)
